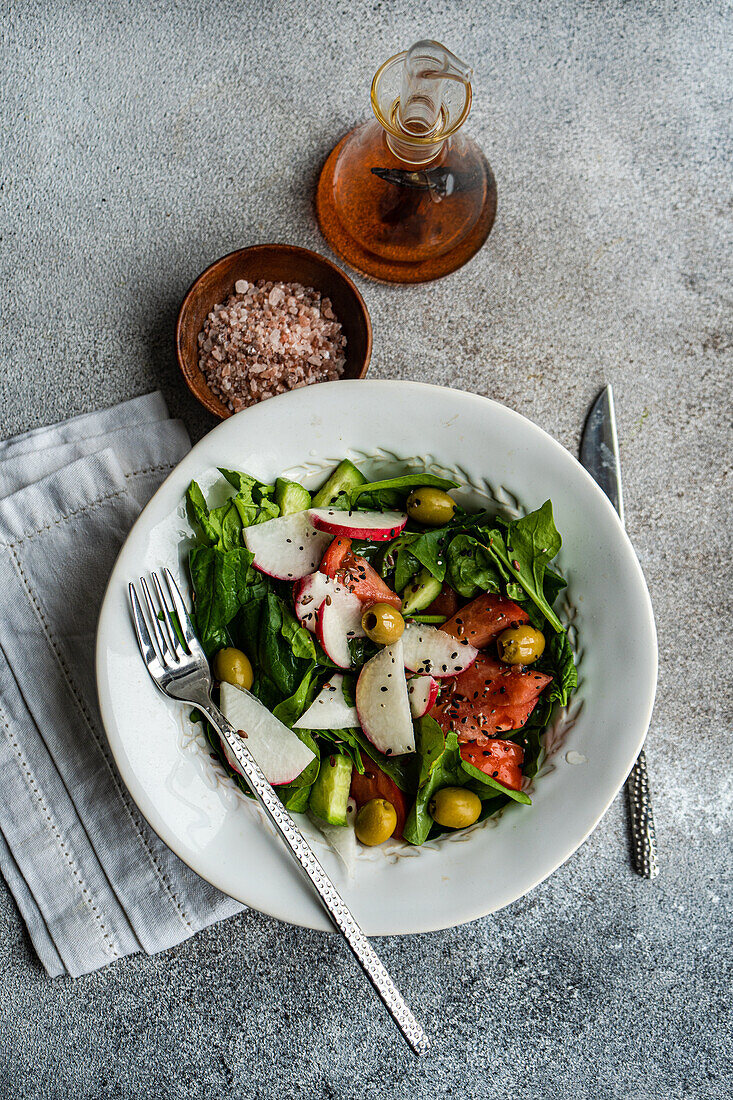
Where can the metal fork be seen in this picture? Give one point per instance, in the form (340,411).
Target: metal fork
(181,672)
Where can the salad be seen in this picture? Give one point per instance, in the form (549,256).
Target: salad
(393,658)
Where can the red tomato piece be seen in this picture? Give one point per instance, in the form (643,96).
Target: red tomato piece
(445,603)
(374,783)
(477,681)
(489,680)
(484,618)
(467,718)
(502,760)
(356,574)
(518,686)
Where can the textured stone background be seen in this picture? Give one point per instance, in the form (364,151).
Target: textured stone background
(143,140)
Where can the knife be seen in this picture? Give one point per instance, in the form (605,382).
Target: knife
(599,455)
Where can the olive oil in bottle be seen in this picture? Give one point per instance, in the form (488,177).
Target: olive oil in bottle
(407,197)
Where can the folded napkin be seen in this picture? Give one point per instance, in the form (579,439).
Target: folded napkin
(90,878)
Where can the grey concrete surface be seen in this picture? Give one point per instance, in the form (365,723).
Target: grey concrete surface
(142,140)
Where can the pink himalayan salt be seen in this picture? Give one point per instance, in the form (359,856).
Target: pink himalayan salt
(268,338)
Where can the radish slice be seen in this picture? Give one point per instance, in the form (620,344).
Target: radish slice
(338,619)
(430,651)
(308,595)
(383,704)
(423,692)
(329,710)
(376,526)
(286,548)
(278,751)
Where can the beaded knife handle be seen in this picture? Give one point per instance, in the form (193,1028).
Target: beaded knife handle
(330,898)
(599,454)
(641,820)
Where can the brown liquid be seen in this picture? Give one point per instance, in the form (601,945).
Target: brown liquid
(398,233)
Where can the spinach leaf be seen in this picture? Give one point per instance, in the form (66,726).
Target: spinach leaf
(290,709)
(553,586)
(222,526)
(407,481)
(530,736)
(487,781)
(470,567)
(228,522)
(295,799)
(349,689)
(222,582)
(198,514)
(559,656)
(396,558)
(430,551)
(278,646)
(345,744)
(361,649)
(399,768)
(446,771)
(429,745)
(430,547)
(407,567)
(356,745)
(524,552)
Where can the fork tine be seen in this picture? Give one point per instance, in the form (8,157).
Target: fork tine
(183,617)
(160,637)
(143,637)
(177,649)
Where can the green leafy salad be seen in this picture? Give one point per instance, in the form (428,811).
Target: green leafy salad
(393,659)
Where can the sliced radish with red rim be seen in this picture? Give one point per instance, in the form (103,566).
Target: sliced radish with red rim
(338,620)
(329,710)
(383,704)
(278,751)
(423,694)
(286,548)
(375,526)
(430,651)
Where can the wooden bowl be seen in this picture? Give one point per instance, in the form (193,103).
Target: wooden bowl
(279,263)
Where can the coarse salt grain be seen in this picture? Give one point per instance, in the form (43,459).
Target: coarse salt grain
(268,338)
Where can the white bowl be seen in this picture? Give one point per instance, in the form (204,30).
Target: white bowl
(494,453)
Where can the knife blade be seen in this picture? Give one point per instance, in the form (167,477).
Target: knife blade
(599,454)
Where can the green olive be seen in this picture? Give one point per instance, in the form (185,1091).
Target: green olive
(382,623)
(520,645)
(375,822)
(429,506)
(233,667)
(455,807)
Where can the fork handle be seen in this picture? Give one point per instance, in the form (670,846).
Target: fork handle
(330,898)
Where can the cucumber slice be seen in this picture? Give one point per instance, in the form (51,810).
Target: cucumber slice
(291,497)
(343,479)
(420,592)
(330,792)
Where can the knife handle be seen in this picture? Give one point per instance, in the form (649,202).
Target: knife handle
(641,820)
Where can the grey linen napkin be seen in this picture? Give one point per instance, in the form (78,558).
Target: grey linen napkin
(90,878)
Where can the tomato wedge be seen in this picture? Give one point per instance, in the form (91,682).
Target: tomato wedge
(356,574)
(375,783)
(502,760)
(484,618)
(467,719)
(489,680)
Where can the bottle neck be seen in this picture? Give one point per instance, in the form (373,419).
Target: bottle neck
(413,154)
